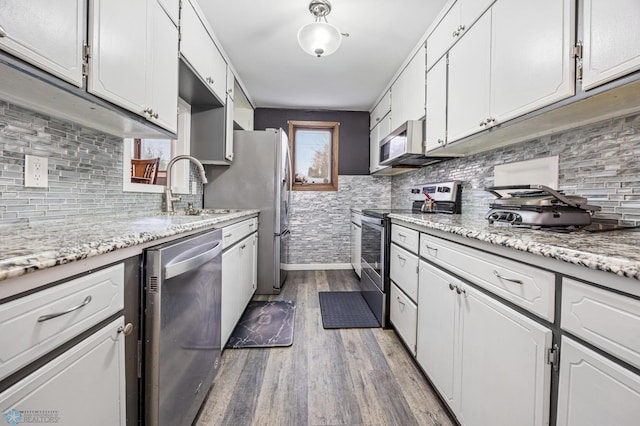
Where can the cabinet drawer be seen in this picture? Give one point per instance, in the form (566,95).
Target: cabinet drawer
(526,286)
(404,317)
(405,237)
(88,300)
(233,233)
(609,320)
(403,270)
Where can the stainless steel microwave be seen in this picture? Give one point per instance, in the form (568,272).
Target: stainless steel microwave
(404,146)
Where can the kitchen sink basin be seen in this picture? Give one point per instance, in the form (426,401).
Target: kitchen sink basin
(219,211)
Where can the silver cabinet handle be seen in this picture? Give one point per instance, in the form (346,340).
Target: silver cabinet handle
(227,235)
(400,234)
(461,290)
(3,33)
(435,250)
(401,304)
(155,115)
(242,247)
(451,286)
(178,268)
(84,303)
(402,258)
(126,330)
(512,280)
(483,123)
(440,141)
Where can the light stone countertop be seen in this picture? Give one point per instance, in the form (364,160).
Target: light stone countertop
(616,252)
(48,244)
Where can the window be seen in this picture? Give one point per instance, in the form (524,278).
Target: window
(314,150)
(164,149)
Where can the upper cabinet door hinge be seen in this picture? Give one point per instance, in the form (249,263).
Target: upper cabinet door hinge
(577,50)
(553,356)
(86,54)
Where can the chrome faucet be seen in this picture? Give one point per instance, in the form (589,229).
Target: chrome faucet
(168,196)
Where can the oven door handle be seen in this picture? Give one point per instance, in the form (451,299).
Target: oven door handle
(178,268)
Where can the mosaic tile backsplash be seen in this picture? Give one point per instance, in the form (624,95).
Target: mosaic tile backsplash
(599,161)
(85,171)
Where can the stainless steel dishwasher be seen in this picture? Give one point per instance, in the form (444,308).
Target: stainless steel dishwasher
(181,327)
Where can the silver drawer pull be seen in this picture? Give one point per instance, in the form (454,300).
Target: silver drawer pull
(404,259)
(452,287)
(242,247)
(227,235)
(400,234)
(433,249)
(401,304)
(507,279)
(44,318)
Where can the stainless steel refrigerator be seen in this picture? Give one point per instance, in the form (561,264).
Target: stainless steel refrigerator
(258,178)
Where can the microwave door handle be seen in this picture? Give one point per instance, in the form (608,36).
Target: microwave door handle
(192,263)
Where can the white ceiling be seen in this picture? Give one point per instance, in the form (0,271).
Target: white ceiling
(260,39)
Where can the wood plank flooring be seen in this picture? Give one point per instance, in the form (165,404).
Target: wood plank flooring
(327,377)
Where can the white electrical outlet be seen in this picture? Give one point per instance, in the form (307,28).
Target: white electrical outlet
(36,171)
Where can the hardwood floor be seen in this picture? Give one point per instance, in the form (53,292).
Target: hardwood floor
(327,377)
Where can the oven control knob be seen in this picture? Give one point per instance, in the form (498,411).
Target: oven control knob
(494,217)
(510,217)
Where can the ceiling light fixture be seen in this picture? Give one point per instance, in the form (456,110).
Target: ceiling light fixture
(319,38)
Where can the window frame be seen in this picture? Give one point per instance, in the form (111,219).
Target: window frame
(333,126)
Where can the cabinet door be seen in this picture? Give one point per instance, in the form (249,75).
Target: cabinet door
(436,120)
(163,49)
(594,390)
(414,96)
(254,263)
(231,294)
(469,77)
(49,35)
(398,112)
(374,144)
(246,277)
(611,40)
(438,321)
(504,378)
(542,72)
(228,134)
(118,63)
(403,313)
(84,385)
(443,36)
(202,54)
(353,245)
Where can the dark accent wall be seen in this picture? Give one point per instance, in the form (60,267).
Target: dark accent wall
(353,155)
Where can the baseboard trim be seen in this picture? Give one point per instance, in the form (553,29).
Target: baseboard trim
(315,266)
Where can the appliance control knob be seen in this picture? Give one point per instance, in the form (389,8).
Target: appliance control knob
(510,217)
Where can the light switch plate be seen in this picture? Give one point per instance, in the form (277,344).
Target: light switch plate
(36,171)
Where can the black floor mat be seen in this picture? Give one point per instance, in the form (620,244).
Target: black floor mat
(264,325)
(345,309)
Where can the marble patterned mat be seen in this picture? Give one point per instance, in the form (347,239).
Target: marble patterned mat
(264,325)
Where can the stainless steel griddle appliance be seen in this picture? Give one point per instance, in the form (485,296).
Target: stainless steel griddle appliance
(538,206)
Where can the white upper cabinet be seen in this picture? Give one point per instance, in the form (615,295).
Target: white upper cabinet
(408,92)
(380,111)
(198,48)
(171,8)
(611,40)
(457,19)
(469,77)
(436,106)
(133,58)
(164,65)
(532,66)
(501,69)
(49,35)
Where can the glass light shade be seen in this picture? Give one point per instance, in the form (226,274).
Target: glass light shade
(319,38)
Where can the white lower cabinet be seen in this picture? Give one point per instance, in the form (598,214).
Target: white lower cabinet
(404,317)
(356,248)
(85,385)
(239,279)
(594,390)
(487,360)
